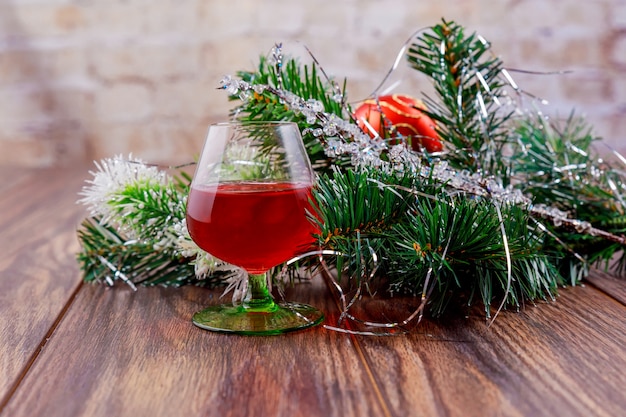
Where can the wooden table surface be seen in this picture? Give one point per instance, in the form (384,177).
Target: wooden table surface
(74,349)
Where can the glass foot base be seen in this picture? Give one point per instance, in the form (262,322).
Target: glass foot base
(277,319)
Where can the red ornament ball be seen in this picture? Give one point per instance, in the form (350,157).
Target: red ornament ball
(405,114)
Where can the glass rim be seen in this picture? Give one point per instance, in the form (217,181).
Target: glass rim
(254,123)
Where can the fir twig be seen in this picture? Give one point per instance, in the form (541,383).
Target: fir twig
(305,82)
(414,234)
(140,261)
(556,164)
(469,84)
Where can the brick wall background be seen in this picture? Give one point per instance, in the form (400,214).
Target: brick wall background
(86,79)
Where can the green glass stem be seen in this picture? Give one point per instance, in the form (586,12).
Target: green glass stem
(258,297)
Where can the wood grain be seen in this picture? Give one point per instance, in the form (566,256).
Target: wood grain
(119,353)
(9,176)
(560,358)
(72,349)
(612,285)
(38,271)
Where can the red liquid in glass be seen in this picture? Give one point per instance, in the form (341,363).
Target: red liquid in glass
(253,225)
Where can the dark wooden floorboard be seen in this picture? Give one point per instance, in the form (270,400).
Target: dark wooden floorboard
(38,270)
(559,358)
(10,176)
(123,353)
(72,349)
(610,284)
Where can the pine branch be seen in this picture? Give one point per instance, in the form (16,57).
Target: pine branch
(354,210)
(408,230)
(137,231)
(108,256)
(469,84)
(149,209)
(304,81)
(461,241)
(556,164)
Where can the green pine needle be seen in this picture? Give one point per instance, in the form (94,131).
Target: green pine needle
(306,82)
(469,84)
(412,228)
(139,261)
(557,165)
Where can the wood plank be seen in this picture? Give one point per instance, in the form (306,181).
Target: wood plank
(38,270)
(116,352)
(610,284)
(560,358)
(9,176)
(123,353)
